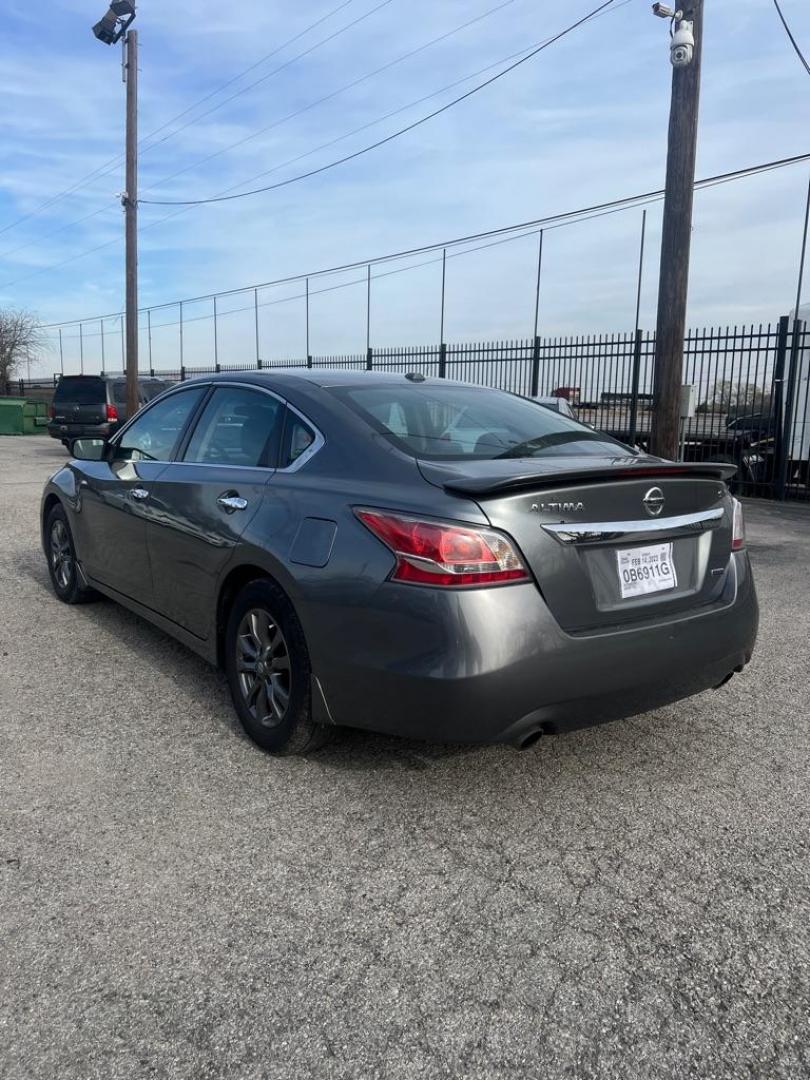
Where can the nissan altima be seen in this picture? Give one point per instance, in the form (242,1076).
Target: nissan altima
(407,555)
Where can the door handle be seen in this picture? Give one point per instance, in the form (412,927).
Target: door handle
(231,502)
(139,493)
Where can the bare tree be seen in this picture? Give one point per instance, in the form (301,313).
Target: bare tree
(21,342)
(733,398)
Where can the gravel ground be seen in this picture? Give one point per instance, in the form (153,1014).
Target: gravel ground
(630,901)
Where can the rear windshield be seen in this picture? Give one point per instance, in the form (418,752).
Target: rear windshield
(80,390)
(459,422)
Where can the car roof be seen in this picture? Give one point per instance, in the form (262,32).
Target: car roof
(325,377)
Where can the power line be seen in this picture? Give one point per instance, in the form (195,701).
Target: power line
(247,70)
(354,131)
(281,165)
(282,67)
(308,153)
(55,232)
(569,217)
(394,135)
(113,163)
(334,93)
(789,33)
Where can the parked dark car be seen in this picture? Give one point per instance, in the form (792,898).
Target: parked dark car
(405,555)
(94,406)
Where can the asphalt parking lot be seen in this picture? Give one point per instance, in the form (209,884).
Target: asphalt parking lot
(631,901)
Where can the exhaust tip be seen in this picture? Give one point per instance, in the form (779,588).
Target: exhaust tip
(729,677)
(528,741)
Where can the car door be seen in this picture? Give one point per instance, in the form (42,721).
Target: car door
(114,495)
(202,503)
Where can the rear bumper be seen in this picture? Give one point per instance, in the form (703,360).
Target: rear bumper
(80,431)
(494,666)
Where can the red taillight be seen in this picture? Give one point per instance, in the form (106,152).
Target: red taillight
(738,531)
(445,554)
(51,412)
(112,412)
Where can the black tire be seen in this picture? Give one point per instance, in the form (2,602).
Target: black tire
(61,554)
(268,669)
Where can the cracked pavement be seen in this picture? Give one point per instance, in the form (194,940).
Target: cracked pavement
(629,901)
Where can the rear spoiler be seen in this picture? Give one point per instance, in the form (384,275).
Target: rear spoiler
(699,470)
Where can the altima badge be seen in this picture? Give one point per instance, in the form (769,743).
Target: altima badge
(557,508)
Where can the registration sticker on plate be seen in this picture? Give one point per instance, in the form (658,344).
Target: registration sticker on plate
(646,570)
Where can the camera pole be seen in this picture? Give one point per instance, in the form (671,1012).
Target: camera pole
(676,239)
(130,201)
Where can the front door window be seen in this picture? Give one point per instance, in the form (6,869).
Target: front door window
(154,435)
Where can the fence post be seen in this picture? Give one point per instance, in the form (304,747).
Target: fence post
(442,361)
(216,339)
(536,367)
(634,386)
(777,408)
(789,405)
(369,359)
(309,361)
(256,326)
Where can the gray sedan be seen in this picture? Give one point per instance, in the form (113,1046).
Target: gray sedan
(407,555)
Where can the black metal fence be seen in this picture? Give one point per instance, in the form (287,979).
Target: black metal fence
(750,388)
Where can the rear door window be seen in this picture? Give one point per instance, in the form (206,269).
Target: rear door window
(238,427)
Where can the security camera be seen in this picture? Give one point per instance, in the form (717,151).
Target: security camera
(664,11)
(682,45)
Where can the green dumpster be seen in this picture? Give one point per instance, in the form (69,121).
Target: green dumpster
(18,416)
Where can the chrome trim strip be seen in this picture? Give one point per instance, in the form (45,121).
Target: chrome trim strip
(602,531)
(307,455)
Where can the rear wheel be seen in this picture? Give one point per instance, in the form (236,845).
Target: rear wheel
(267,663)
(62,565)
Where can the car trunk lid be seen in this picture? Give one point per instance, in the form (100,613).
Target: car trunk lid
(596,531)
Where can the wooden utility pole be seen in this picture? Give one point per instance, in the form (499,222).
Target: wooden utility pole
(675,243)
(130,200)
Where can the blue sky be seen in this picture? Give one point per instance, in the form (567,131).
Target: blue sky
(582,123)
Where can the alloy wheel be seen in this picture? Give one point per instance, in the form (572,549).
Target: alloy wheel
(61,554)
(263,668)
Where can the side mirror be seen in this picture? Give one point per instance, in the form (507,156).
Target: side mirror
(90,449)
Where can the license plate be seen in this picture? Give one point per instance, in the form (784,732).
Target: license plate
(646,570)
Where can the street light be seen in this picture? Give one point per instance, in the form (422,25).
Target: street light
(112,27)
